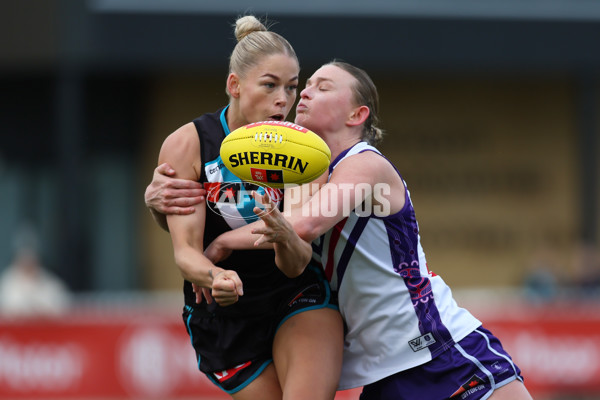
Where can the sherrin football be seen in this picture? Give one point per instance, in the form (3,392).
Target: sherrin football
(274,153)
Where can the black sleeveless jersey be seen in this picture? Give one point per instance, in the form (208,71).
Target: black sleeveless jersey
(229,205)
(242,334)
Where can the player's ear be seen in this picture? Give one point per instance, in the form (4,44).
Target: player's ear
(358,116)
(233,85)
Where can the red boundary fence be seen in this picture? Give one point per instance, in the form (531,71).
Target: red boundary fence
(140,355)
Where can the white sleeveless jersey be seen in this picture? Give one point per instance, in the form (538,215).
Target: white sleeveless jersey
(398,314)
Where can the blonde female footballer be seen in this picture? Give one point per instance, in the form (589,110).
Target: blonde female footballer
(260,334)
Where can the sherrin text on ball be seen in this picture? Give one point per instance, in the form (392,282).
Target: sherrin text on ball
(274,153)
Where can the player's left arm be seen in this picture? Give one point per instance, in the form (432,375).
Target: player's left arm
(363,180)
(236,239)
(367,180)
(245,237)
(292,254)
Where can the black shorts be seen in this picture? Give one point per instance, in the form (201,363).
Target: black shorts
(232,348)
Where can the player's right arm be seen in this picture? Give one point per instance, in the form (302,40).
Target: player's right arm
(181,150)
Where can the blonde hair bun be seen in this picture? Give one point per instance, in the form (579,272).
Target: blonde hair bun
(246,25)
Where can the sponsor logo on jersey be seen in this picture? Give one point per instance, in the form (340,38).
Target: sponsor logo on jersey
(217,168)
(473,385)
(308,295)
(421,342)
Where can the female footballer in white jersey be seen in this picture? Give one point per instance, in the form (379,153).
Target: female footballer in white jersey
(405,336)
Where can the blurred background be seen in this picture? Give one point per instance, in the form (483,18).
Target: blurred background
(491,112)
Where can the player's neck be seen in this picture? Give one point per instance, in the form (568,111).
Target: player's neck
(234,118)
(341,141)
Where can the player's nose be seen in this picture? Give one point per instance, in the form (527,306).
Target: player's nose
(305,93)
(281,99)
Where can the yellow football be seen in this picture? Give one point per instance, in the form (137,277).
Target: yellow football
(274,154)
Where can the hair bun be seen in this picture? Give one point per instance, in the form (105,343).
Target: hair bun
(246,25)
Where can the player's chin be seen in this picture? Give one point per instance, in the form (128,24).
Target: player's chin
(301,119)
(305,122)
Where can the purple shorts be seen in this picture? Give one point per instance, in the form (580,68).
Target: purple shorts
(470,370)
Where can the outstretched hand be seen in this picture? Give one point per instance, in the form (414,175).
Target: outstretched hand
(276,229)
(169,195)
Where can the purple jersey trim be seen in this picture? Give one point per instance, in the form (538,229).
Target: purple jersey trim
(337,159)
(355,234)
(403,236)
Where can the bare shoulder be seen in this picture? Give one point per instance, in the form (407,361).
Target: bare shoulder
(180,140)
(181,149)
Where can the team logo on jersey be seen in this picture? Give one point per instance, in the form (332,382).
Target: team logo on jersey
(234,199)
(421,342)
(473,385)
